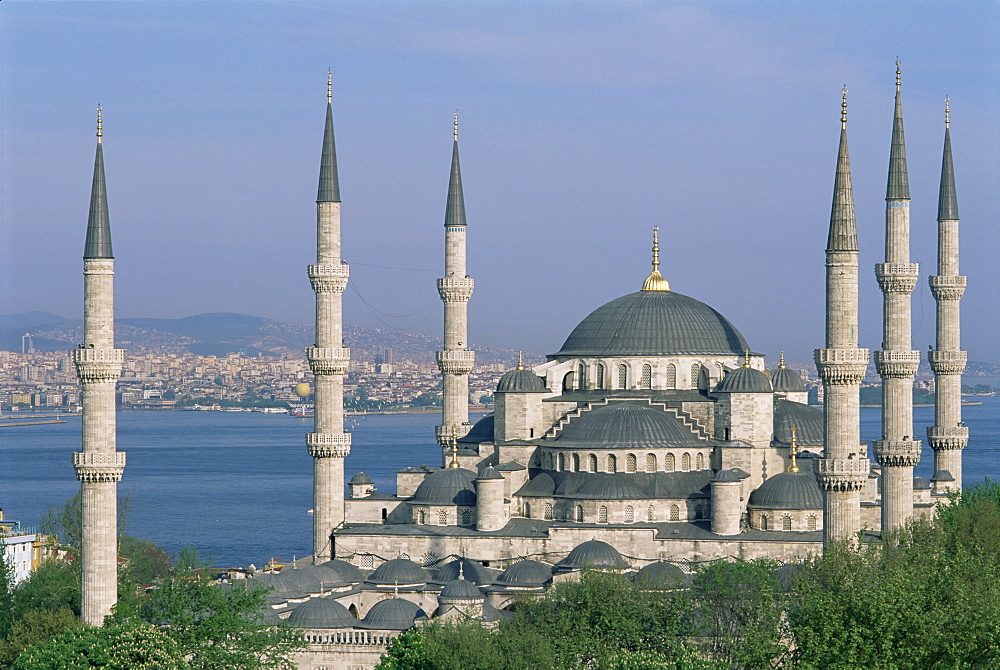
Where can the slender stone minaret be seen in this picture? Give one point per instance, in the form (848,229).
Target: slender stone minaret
(948,436)
(329,443)
(843,470)
(456,361)
(99,466)
(898,450)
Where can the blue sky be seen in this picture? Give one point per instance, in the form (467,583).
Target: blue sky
(582,126)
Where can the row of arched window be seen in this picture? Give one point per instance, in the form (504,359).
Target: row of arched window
(767,523)
(629,516)
(591,462)
(465,517)
(623,379)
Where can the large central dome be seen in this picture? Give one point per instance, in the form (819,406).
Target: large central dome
(653,323)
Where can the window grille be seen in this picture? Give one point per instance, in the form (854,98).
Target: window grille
(442,518)
(367,561)
(429,559)
(763,522)
(623,376)
(675,513)
(582,374)
(602,514)
(670,463)
(647,376)
(466,517)
(786,523)
(630,465)
(811,522)
(629,514)
(600,376)
(548,511)
(592,462)
(686,462)
(700,461)
(650,462)
(579,512)
(671,380)
(650,514)
(695,371)
(612,463)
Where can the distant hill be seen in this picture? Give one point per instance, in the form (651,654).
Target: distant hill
(14,326)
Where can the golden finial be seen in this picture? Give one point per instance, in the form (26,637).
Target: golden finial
(454,447)
(899,74)
(843,107)
(655,281)
(947,111)
(456,125)
(520,361)
(746,358)
(793,450)
(99,133)
(329,86)
(781,361)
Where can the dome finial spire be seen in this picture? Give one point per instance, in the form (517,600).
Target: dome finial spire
(947,111)
(100,133)
(456,125)
(899,74)
(655,281)
(520,361)
(454,447)
(329,86)
(781,361)
(843,107)
(746,358)
(793,451)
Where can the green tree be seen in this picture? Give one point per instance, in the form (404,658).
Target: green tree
(147,561)
(34,627)
(406,652)
(53,585)
(6,592)
(125,646)
(189,559)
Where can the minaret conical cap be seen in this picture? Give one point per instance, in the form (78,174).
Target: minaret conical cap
(843,226)
(329,182)
(98,244)
(947,198)
(455,209)
(899,183)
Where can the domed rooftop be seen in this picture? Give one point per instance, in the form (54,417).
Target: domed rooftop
(470,570)
(460,589)
(807,420)
(526,573)
(608,486)
(393,614)
(593,554)
(660,574)
(398,571)
(786,381)
(482,431)
(347,571)
(361,478)
(448,486)
(744,380)
(321,613)
(788,490)
(653,323)
(626,425)
(521,381)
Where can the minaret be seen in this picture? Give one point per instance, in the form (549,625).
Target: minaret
(948,436)
(329,443)
(456,361)
(99,466)
(898,450)
(843,470)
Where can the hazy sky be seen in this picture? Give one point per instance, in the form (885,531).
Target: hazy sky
(582,126)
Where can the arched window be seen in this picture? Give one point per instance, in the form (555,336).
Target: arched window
(581,373)
(786,522)
(630,465)
(811,522)
(442,518)
(699,511)
(527,510)
(686,462)
(669,463)
(429,558)
(629,514)
(602,514)
(695,371)
(612,463)
(763,522)
(671,377)
(650,514)
(622,376)
(592,463)
(422,517)
(579,512)
(600,376)
(700,462)
(650,462)
(548,511)
(562,462)
(576,462)
(353,609)
(647,377)
(568,381)
(675,513)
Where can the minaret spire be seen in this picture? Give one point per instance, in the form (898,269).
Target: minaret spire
(948,436)
(99,465)
(897,452)
(841,365)
(455,289)
(329,443)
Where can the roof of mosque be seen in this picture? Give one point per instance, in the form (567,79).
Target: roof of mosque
(323,612)
(593,554)
(398,571)
(660,573)
(807,421)
(731,475)
(460,589)
(785,380)
(618,485)
(626,425)
(744,380)
(788,490)
(392,614)
(521,381)
(490,473)
(526,573)
(361,478)
(469,569)
(448,486)
(653,323)
(481,431)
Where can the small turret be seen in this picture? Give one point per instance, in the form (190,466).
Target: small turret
(490,500)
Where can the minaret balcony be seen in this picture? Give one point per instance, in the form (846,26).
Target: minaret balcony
(328,278)
(947,287)
(99,466)
(456,289)
(947,438)
(328,360)
(98,365)
(456,362)
(841,366)
(897,364)
(842,474)
(328,445)
(897,453)
(897,277)
(947,362)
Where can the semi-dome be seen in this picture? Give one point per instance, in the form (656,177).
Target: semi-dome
(744,380)
(398,571)
(653,323)
(526,573)
(626,425)
(521,381)
(393,614)
(448,486)
(788,490)
(593,554)
(321,612)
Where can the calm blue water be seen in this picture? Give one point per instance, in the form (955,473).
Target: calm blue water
(237,485)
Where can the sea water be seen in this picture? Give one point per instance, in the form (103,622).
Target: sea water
(238,485)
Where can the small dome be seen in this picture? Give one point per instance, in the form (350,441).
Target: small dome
(920,484)
(448,486)
(942,476)
(807,421)
(470,570)
(660,574)
(490,473)
(321,612)
(348,571)
(521,381)
(398,571)
(526,573)
(788,490)
(393,614)
(460,589)
(730,475)
(361,478)
(744,380)
(481,431)
(593,554)
(786,381)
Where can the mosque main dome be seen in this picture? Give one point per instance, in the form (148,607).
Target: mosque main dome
(653,323)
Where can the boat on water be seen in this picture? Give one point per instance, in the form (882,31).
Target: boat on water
(301,410)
